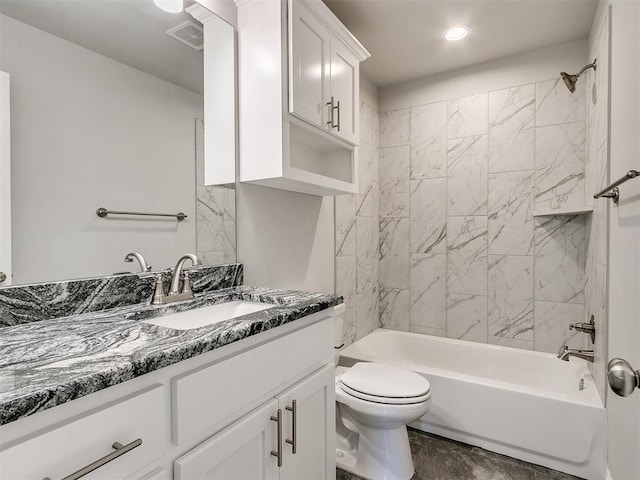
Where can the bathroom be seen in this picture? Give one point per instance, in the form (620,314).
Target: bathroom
(508,260)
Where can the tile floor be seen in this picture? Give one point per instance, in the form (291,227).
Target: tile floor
(438,458)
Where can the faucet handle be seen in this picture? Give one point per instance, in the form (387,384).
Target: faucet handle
(186,284)
(158,294)
(588,328)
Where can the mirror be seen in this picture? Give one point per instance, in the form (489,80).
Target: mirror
(106,111)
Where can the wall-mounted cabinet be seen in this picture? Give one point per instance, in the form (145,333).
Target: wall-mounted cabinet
(299,100)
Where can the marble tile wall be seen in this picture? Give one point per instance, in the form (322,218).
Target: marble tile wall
(356,235)
(461,254)
(597,177)
(215,213)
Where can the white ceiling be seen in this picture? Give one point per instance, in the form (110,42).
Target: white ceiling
(403,36)
(129,31)
(405,40)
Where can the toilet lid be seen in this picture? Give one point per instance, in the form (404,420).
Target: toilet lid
(384,383)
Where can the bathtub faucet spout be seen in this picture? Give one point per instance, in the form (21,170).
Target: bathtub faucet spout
(565,353)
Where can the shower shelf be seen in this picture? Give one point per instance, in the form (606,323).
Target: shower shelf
(563,211)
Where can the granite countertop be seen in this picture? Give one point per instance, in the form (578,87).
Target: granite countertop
(50,362)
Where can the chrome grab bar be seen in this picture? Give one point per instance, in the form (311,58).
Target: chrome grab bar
(614,192)
(103,212)
(119,450)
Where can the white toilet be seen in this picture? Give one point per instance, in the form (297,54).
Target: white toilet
(374,404)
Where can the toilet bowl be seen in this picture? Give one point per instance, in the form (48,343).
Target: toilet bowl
(374,404)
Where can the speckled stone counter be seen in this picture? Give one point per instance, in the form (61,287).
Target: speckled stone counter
(48,362)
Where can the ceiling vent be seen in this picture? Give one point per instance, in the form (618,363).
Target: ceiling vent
(188,33)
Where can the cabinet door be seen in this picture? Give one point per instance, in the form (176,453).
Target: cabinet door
(314,428)
(345,78)
(309,60)
(240,452)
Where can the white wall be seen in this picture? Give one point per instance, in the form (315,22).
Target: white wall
(521,69)
(624,224)
(285,239)
(356,224)
(89,132)
(368,93)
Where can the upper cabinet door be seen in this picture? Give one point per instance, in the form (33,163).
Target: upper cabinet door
(309,65)
(344,84)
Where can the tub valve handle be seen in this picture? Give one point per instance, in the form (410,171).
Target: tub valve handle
(589,328)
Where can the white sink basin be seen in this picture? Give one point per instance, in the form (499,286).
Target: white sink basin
(199,317)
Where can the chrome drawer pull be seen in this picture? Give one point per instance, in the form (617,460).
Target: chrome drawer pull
(278,452)
(294,413)
(119,450)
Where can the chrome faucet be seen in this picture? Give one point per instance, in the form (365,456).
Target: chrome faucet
(565,353)
(144,266)
(175,294)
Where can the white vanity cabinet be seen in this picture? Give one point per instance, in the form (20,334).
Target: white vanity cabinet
(208,416)
(261,445)
(298,97)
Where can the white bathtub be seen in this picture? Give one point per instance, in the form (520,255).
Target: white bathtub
(516,402)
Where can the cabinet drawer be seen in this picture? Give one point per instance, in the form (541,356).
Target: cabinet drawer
(64,448)
(215,395)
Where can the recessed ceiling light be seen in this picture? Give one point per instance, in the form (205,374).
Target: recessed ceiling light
(453,34)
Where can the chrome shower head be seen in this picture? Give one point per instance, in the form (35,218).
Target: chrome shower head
(570,80)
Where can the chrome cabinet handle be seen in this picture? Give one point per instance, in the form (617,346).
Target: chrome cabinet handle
(293,441)
(119,450)
(331,110)
(333,106)
(278,452)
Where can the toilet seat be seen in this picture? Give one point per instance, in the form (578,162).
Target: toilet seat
(385,384)
(385,400)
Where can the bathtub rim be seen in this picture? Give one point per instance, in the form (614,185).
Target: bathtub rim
(589,397)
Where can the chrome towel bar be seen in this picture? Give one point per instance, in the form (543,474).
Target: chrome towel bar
(613,191)
(103,212)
